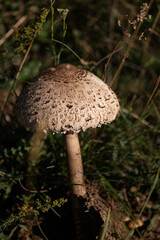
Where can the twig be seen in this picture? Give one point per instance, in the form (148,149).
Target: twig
(9,33)
(104,58)
(135,115)
(12,232)
(32,191)
(106,65)
(153,31)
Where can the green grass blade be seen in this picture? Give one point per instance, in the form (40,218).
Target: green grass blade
(41,229)
(105,225)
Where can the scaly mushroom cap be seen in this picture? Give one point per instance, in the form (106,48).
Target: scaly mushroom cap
(66,99)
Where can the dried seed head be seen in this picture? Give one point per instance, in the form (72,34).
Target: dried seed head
(143,15)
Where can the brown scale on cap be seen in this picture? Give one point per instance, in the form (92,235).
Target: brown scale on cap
(66,99)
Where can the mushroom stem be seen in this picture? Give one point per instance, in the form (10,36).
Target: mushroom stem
(75,166)
(33,158)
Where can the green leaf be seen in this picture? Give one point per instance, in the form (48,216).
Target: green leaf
(22,226)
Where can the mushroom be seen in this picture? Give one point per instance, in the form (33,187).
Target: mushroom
(67,100)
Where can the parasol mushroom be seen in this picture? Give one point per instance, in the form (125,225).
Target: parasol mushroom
(67,100)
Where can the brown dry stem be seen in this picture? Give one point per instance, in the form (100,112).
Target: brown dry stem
(16,25)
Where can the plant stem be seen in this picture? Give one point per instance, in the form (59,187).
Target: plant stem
(65,45)
(64,34)
(106,224)
(41,230)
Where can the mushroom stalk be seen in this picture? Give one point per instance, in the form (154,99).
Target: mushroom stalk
(34,157)
(75,165)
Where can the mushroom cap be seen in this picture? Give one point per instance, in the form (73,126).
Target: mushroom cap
(66,99)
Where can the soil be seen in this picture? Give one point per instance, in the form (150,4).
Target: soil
(94,209)
(93,212)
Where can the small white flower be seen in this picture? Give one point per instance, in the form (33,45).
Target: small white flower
(63,11)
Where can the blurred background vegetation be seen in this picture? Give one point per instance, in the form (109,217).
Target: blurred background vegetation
(125,155)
